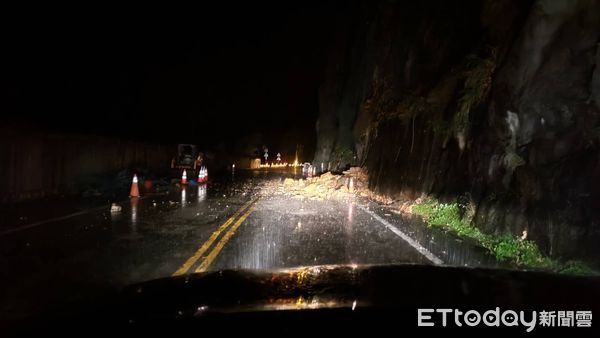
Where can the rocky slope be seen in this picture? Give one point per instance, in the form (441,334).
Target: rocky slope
(494,103)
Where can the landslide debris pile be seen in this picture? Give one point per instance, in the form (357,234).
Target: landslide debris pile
(353,182)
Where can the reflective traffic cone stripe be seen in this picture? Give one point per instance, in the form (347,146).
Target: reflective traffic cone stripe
(184,177)
(135,191)
(202,175)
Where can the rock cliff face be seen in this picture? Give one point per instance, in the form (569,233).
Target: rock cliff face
(493,102)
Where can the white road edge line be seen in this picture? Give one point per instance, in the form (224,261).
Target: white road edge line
(422,250)
(55,219)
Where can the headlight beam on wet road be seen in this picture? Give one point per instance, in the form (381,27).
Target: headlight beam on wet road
(213,254)
(198,254)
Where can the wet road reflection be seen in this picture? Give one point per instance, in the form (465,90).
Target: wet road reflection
(201,194)
(183,197)
(154,236)
(283,233)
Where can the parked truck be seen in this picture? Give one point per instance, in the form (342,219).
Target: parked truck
(189,158)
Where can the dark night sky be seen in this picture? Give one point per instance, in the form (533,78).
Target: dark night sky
(202,75)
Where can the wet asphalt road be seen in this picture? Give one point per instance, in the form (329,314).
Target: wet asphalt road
(225,224)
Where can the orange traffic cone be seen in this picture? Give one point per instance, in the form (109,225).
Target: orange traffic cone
(202,175)
(184,177)
(135,191)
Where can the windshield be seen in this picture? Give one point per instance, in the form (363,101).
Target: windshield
(356,134)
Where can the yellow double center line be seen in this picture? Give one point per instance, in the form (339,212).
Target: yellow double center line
(213,254)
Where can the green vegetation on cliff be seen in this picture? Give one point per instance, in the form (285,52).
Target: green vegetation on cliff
(519,251)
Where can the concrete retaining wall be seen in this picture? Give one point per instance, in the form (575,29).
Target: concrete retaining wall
(35,165)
